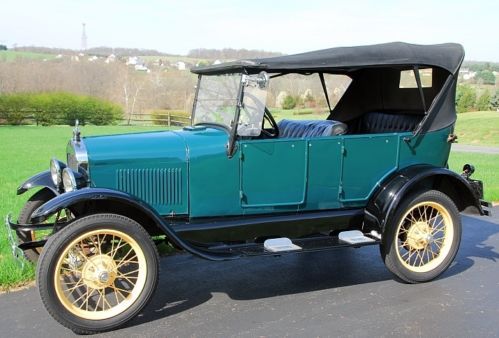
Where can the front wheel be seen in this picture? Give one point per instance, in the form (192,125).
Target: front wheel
(97,273)
(34,202)
(423,237)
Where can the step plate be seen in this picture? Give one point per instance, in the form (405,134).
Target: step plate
(354,237)
(280,245)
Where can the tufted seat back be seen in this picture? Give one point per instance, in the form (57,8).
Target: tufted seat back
(310,128)
(377,122)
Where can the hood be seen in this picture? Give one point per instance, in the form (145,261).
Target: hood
(153,166)
(137,150)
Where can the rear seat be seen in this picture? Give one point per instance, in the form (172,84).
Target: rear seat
(310,128)
(384,122)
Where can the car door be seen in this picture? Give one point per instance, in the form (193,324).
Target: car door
(273,172)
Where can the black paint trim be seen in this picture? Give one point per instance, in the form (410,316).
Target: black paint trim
(395,188)
(42,179)
(100,194)
(250,227)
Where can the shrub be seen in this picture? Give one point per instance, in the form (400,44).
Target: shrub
(483,102)
(465,99)
(494,101)
(15,108)
(58,107)
(289,102)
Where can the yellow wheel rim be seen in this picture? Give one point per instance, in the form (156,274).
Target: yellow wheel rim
(100,274)
(424,236)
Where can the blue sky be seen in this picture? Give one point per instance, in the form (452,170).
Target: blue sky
(284,26)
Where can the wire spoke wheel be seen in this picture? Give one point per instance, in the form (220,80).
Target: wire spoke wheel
(425,236)
(422,238)
(100,274)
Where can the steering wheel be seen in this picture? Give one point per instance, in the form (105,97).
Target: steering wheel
(273,131)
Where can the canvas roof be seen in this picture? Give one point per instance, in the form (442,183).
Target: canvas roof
(448,56)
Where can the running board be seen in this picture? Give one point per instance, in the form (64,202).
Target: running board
(278,246)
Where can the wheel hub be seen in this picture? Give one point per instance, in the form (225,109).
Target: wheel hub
(419,235)
(99,271)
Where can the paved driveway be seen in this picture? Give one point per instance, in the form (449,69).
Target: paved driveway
(347,292)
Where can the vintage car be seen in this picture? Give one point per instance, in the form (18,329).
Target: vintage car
(236,183)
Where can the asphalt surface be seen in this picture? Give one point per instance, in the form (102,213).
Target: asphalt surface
(346,292)
(475,149)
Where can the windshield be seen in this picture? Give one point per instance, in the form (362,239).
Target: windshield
(217,99)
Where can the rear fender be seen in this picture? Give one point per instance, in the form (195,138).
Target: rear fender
(398,186)
(121,201)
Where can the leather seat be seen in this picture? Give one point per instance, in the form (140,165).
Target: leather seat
(310,128)
(378,122)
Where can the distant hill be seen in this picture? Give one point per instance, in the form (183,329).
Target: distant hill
(229,53)
(121,51)
(481,65)
(199,53)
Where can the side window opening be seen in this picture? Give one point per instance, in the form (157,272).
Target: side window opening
(301,97)
(408,79)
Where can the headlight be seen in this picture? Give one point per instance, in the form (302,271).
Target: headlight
(68,180)
(56,168)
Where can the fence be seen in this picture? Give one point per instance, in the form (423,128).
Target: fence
(164,117)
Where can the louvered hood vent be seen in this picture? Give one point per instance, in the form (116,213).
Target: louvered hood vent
(158,187)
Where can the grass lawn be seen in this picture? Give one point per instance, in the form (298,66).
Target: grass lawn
(11,55)
(26,150)
(478,128)
(486,169)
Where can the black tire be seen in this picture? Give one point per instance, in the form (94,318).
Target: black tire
(73,253)
(38,199)
(422,238)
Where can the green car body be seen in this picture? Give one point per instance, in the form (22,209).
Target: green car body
(187,172)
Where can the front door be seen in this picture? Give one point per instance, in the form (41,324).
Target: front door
(273,172)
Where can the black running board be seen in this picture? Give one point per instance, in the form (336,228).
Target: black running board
(311,244)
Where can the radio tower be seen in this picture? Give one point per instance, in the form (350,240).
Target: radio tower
(83,38)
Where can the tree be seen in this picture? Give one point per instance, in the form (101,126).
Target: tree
(3,47)
(465,99)
(486,76)
(483,102)
(494,101)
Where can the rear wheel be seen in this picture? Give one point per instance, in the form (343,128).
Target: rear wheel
(423,237)
(97,273)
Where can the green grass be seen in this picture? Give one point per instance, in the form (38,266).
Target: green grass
(298,114)
(10,55)
(486,169)
(478,128)
(24,151)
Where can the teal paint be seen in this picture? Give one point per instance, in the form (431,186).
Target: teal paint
(273,172)
(324,173)
(188,171)
(151,166)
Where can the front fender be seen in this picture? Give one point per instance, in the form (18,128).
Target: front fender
(396,187)
(42,179)
(67,200)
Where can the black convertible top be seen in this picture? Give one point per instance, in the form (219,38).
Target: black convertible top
(448,56)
